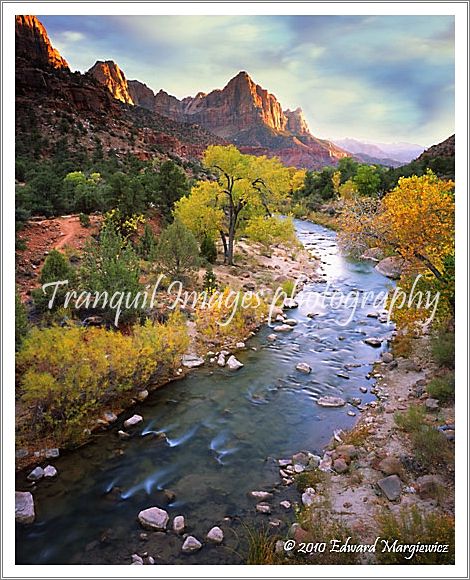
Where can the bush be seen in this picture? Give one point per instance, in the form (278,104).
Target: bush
(442,388)
(177,253)
(443,349)
(146,246)
(209,250)
(56,268)
(412,526)
(210,281)
(21,322)
(431,447)
(68,375)
(411,420)
(84,220)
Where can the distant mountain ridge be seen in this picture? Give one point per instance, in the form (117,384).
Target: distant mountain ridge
(393,154)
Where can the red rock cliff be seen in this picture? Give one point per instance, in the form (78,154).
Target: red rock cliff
(33,44)
(109,74)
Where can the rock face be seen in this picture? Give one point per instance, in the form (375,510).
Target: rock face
(391,267)
(33,44)
(141,94)
(111,76)
(153,518)
(249,116)
(24,507)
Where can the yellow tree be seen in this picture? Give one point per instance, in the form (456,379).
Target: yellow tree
(247,186)
(415,220)
(199,211)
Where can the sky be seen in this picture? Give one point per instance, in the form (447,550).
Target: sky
(376,78)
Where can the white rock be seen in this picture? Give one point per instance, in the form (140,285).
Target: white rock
(191,544)
(109,417)
(299,468)
(284,462)
(36,474)
(179,524)
(263,508)
(290,303)
(215,535)
(272,337)
(136,559)
(285,504)
(24,507)
(240,345)
(308,497)
(191,361)
(221,360)
(291,321)
(153,518)
(261,494)
(283,328)
(303,368)
(234,364)
(123,435)
(142,395)
(50,471)
(330,401)
(132,421)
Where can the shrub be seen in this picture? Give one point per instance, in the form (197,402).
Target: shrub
(412,526)
(210,281)
(411,420)
(21,321)
(177,253)
(442,388)
(443,349)
(84,220)
(67,375)
(146,246)
(209,250)
(431,447)
(311,478)
(56,268)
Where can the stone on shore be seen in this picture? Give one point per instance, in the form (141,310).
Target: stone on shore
(330,401)
(191,361)
(142,395)
(340,465)
(221,360)
(179,524)
(308,497)
(290,303)
(240,345)
(387,357)
(109,417)
(285,504)
(234,364)
(50,471)
(391,487)
(123,435)
(153,518)
(133,421)
(391,466)
(375,342)
(432,404)
(303,367)
(36,474)
(215,535)
(391,267)
(191,544)
(291,321)
(24,507)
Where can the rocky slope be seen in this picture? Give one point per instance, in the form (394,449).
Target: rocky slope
(109,74)
(57,107)
(33,44)
(444,149)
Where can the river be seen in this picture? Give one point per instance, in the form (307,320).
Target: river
(223,431)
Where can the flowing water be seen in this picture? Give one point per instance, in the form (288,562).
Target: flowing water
(222,430)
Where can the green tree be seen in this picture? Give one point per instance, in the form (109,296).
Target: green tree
(172,184)
(177,252)
(125,194)
(348,168)
(56,268)
(146,246)
(21,322)
(209,250)
(367,180)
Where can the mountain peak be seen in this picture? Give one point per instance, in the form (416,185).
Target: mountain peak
(33,44)
(108,73)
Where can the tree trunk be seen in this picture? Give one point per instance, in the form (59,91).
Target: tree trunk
(224,243)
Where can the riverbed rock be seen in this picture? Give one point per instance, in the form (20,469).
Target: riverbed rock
(109,417)
(290,303)
(190,545)
(330,401)
(372,341)
(221,360)
(234,364)
(303,367)
(373,254)
(391,267)
(391,465)
(50,471)
(363,389)
(272,337)
(137,560)
(285,504)
(142,395)
(291,321)
(262,495)
(283,328)
(36,474)
(123,435)
(308,497)
(300,459)
(24,507)
(432,405)
(391,487)
(387,357)
(179,524)
(153,518)
(133,421)
(215,535)
(191,361)
(263,508)
(284,462)
(240,345)
(340,465)
(348,452)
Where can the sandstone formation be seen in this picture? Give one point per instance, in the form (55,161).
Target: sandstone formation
(33,44)
(111,76)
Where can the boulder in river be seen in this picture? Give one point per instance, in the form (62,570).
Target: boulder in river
(373,254)
(221,360)
(142,395)
(262,495)
(191,544)
(263,508)
(50,471)
(391,267)
(375,342)
(303,367)
(290,303)
(272,337)
(215,535)
(179,524)
(234,364)
(283,328)
(153,518)
(133,421)
(291,321)
(24,507)
(36,474)
(330,401)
